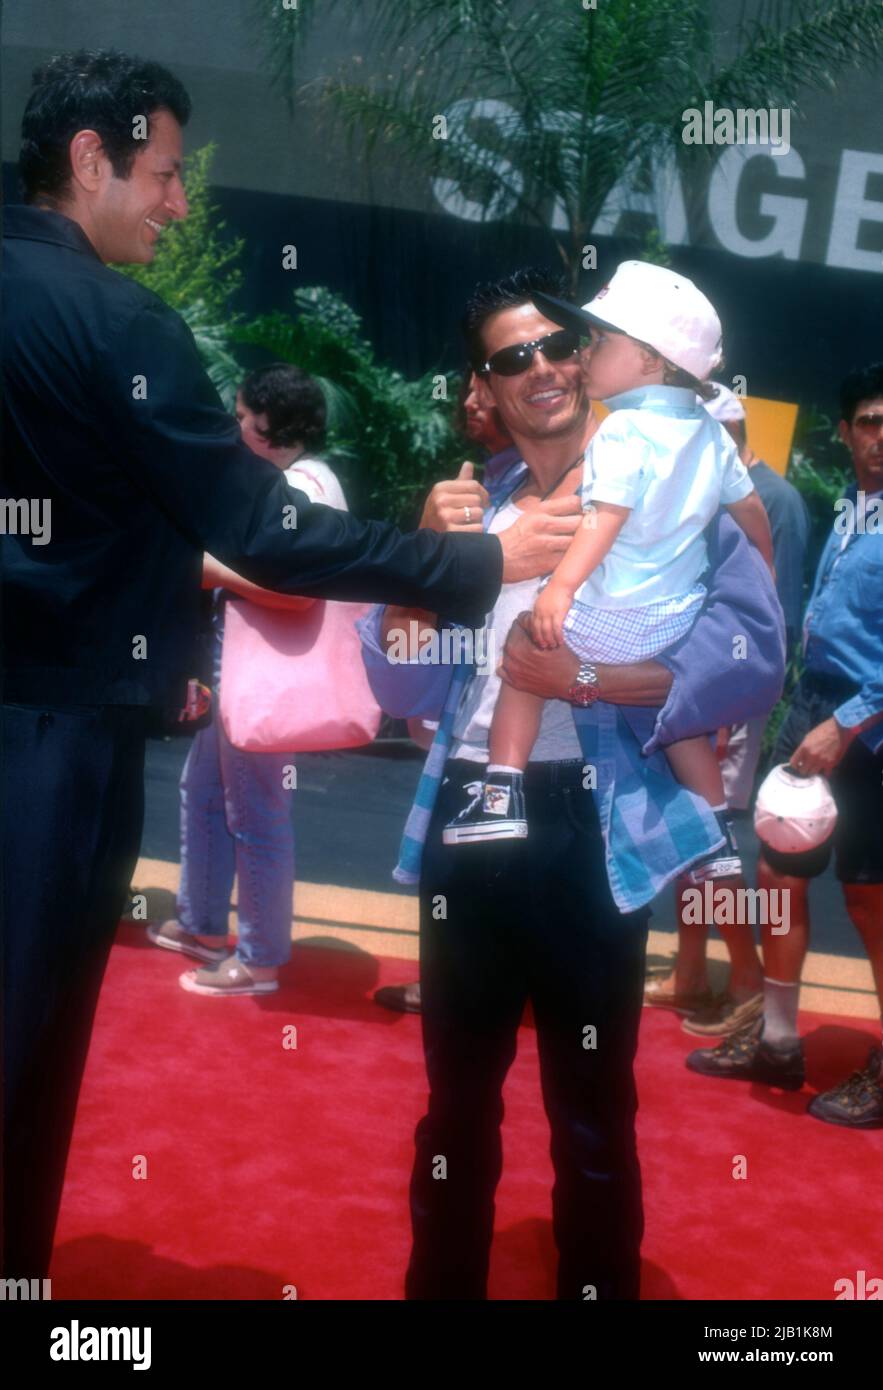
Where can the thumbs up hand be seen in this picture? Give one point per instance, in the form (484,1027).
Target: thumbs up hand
(457,504)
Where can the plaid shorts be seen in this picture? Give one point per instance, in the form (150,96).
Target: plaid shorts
(617,636)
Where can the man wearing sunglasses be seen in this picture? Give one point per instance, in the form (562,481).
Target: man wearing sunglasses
(834,727)
(536,919)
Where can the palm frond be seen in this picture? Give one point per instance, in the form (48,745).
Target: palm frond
(341,408)
(821,40)
(212,343)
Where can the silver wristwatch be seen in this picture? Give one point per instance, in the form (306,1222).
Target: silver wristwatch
(584,690)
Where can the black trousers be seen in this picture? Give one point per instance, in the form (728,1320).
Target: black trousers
(502,923)
(72,810)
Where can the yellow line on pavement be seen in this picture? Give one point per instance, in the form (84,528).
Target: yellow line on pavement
(385,924)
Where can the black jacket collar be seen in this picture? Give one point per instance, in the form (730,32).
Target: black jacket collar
(26,223)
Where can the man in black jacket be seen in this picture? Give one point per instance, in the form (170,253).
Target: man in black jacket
(115,442)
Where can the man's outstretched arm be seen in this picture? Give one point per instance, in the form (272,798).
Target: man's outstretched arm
(177,443)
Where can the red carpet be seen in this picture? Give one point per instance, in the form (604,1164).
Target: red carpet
(268,1166)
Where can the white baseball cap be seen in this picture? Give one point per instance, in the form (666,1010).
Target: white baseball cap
(726,405)
(657,306)
(792,813)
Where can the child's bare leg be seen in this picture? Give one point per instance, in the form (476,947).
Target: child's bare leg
(514,728)
(694,763)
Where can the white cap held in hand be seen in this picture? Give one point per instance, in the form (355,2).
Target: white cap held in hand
(793,813)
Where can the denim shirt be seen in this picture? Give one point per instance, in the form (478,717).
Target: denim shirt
(653,828)
(843,627)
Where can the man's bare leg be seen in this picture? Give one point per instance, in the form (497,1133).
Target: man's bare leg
(784,954)
(691,971)
(783,957)
(864,903)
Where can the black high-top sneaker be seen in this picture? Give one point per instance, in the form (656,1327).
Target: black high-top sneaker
(495,811)
(720,863)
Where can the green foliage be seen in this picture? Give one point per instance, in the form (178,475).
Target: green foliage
(213,344)
(584,98)
(654,249)
(389,437)
(195,264)
(821,471)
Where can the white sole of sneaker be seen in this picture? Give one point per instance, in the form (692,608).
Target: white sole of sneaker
(196,952)
(506,830)
(214,991)
(720,868)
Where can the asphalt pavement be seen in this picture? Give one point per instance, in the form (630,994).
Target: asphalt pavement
(349,810)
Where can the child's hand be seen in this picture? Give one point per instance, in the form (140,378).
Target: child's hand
(549,612)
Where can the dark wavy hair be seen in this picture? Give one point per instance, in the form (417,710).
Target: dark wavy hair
(98,90)
(292,402)
(864,384)
(509,293)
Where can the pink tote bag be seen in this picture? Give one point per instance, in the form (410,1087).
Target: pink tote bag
(295,682)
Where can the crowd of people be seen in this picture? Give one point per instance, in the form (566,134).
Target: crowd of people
(641,579)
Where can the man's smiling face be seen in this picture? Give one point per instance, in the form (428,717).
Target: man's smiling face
(130,214)
(546,401)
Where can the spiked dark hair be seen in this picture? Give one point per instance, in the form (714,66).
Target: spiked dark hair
(509,293)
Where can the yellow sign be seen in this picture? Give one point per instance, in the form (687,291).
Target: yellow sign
(770,426)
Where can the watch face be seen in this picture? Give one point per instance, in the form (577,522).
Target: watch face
(582,694)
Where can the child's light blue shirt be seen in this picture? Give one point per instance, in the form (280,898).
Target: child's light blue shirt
(662,455)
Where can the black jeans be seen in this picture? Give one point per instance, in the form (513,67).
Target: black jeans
(501,923)
(73,795)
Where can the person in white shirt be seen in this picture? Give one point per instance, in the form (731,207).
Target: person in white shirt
(235,809)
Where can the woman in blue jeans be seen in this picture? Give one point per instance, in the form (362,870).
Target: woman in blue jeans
(235,808)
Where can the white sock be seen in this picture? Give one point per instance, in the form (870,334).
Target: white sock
(780,1003)
(502,767)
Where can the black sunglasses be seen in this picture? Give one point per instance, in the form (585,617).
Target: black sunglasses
(512,361)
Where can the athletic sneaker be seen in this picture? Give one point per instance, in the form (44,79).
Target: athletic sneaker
(494,811)
(230,977)
(856,1102)
(720,863)
(171,936)
(746,1056)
